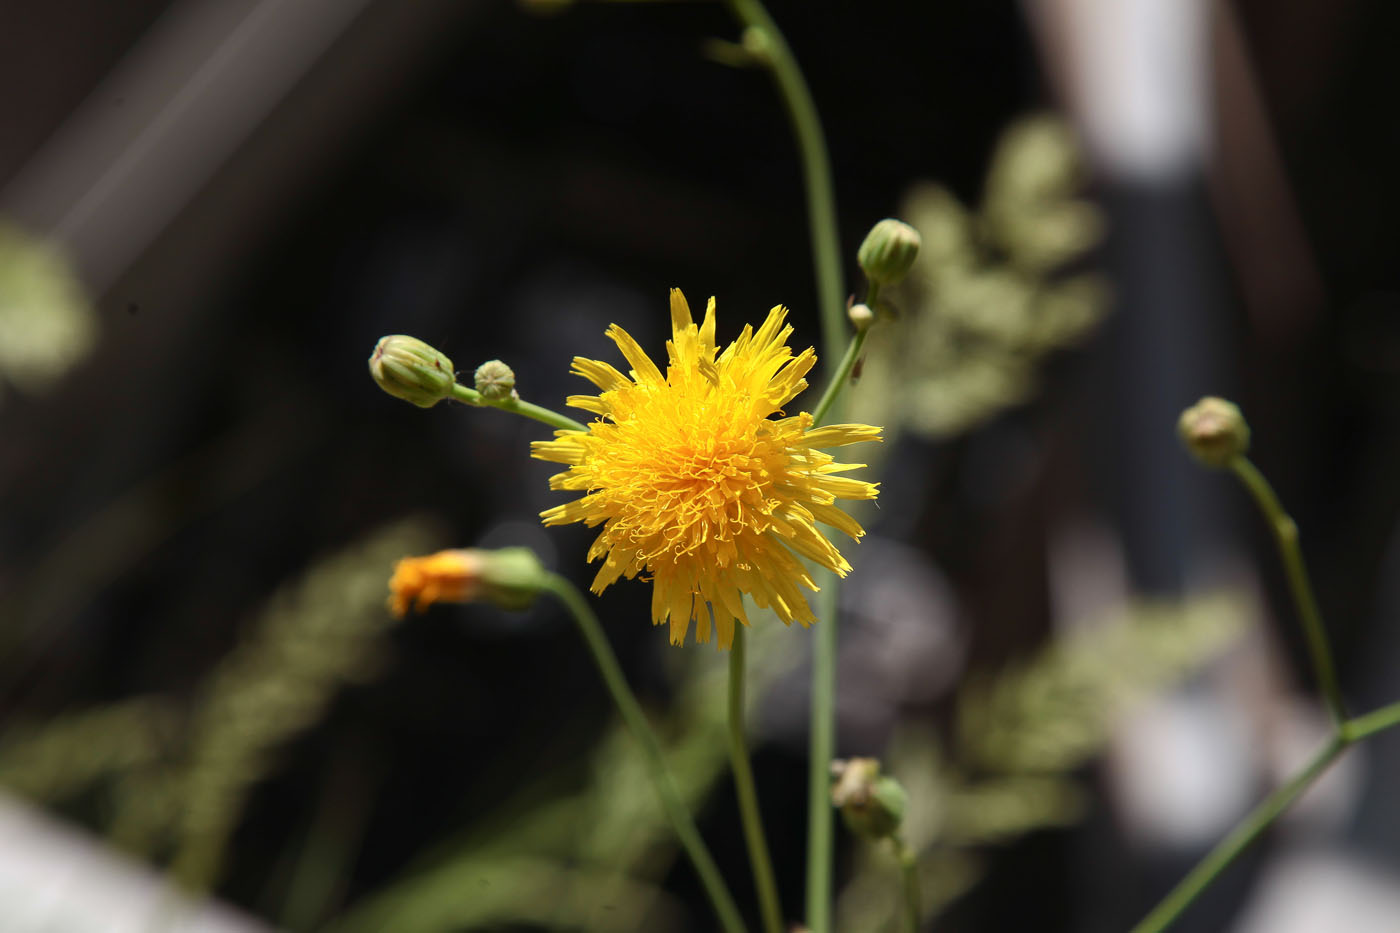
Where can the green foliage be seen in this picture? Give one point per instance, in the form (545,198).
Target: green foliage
(316,635)
(1021,734)
(599,850)
(187,781)
(1056,712)
(46,323)
(53,761)
(986,300)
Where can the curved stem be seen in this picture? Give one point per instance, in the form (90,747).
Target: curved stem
(816,168)
(1205,872)
(1345,731)
(518,407)
(1285,532)
(848,361)
(636,723)
(748,796)
(831,290)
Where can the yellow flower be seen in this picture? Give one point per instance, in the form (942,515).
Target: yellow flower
(695,484)
(447,576)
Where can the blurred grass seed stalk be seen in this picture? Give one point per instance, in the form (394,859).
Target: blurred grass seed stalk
(190,778)
(316,635)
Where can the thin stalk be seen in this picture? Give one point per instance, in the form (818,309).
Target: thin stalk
(762,864)
(840,377)
(822,749)
(816,168)
(1378,721)
(831,290)
(518,407)
(909,879)
(1206,871)
(1219,858)
(1285,532)
(848,364)
(636,723)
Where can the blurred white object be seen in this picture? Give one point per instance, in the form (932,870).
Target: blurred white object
(155,130)
(1183,771)
(1136,75)
(1190,766)
(54,877)
(1314,891)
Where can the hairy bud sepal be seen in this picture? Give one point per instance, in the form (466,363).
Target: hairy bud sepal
(872,804)
(1214,432)
(409,369)
(495,381)
(888,252)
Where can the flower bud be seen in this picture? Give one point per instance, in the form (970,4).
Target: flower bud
(511,578)
(861,316)
(872,804)
(1214,431)
(495,381)
(888,252)
(409,369)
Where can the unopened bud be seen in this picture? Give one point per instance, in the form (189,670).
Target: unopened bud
(755,41)
(410,369)
(1214,431)
(861,316)
(872,804)
(510,577)
(888,252)
(495,381)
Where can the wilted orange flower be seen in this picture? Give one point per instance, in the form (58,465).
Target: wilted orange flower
(695,484)
(449,576)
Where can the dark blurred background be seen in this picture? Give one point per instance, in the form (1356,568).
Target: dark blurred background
(252,193)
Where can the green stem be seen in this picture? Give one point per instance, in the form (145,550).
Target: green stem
(748,796)
(831,290)
(909,876)
(1345,731)
(816,169)
(822,749)
(636,722)
(1201,877)
(1285,532)
(518,407)
(840,377)
(848,360)
(1363,726)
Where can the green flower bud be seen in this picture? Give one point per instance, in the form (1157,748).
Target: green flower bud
(872,804)
(1214,431)
(409,369)
(888,252)
(512,577)
(495,381)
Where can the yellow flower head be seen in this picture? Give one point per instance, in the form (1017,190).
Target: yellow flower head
(447,576)
(694,482)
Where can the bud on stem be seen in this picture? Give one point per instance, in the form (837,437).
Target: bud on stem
(1214,431)
(410,369)
(888,252)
